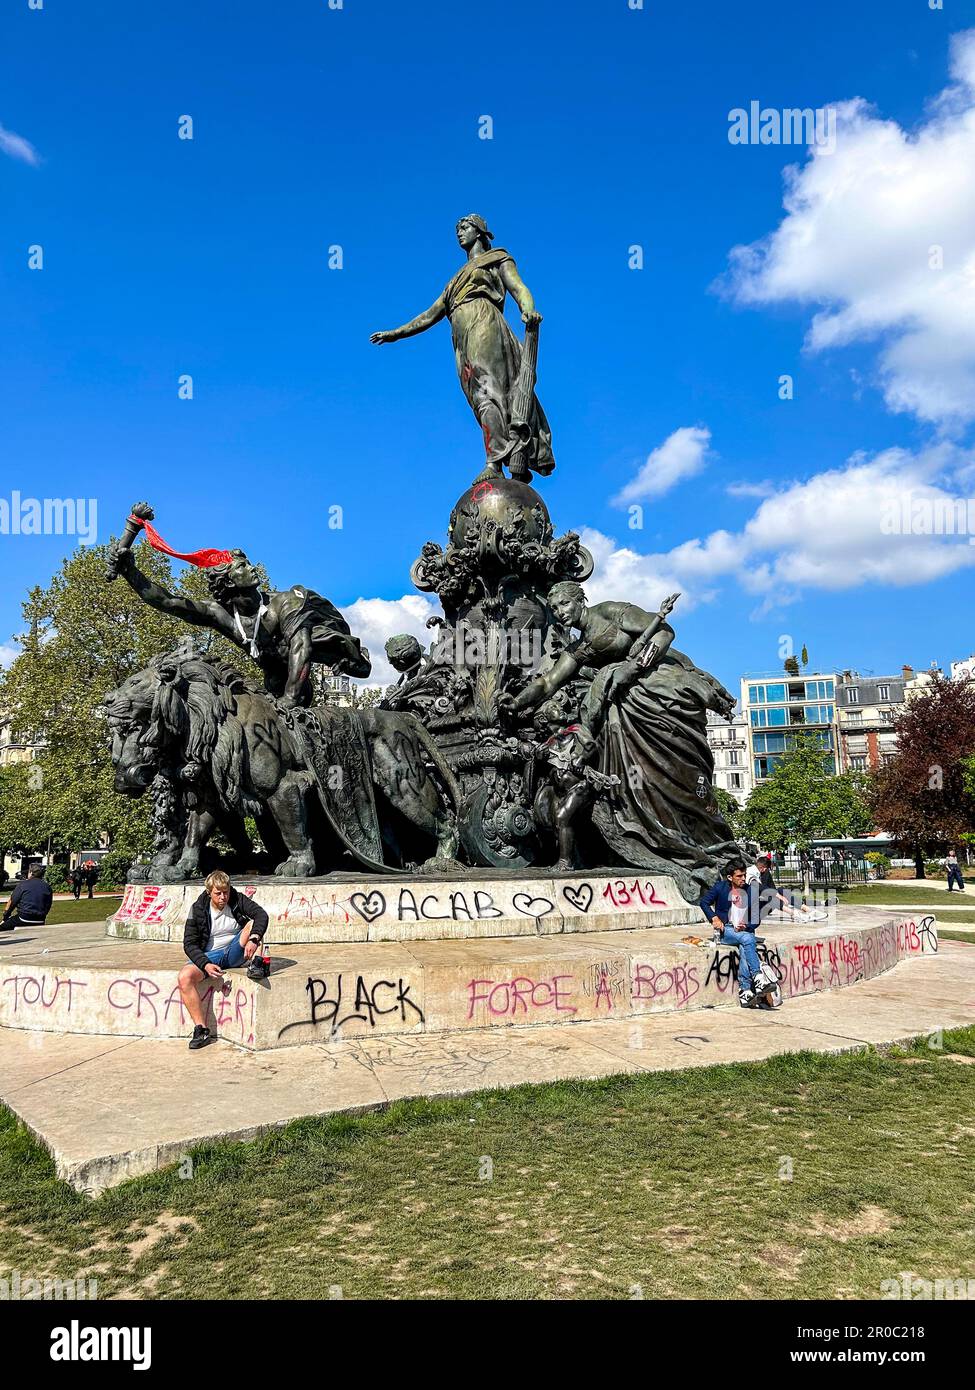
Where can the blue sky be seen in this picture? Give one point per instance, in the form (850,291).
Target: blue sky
(359,127)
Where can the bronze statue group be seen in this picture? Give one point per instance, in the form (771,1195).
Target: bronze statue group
(592,753)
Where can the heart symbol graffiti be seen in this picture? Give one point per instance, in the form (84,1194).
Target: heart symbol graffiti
(580,898)
(532,907)
(369,905)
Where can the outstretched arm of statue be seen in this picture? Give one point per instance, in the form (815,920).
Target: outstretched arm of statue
(543,686)
(657,624)
(519,292)
(203,613)
(420,324)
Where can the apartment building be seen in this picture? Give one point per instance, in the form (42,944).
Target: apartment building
(13,750)
(866,708)
(775,706)
(728,741)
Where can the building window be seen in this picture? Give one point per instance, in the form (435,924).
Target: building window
(853,695)
(859,763)
(735,781)
(733,758)
(887,715)
(855,717)
(819,714)
(883,692)
(773,743)
(819,690)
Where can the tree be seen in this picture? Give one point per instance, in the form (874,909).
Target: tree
(728,806)
(925,794)
(804,800)
(83,637)
(792,666)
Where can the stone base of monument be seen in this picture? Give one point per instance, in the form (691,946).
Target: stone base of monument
(93,1054)
(409,908)
(558,967)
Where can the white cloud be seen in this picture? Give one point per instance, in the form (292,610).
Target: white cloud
(8,655)
(17,147)
(680,456)
(375,620)
(871,521)
(622,573)
(857,240)
(836,530)
(763,489)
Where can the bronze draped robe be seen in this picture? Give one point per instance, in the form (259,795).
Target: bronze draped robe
(665,819)
(488,357)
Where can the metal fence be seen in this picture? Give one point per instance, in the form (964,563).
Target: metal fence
(824,869)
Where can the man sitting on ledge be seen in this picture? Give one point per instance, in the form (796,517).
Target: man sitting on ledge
(223,930)
(734,913)
(30,902)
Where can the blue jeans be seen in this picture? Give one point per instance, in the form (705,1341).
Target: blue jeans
(227,956)
(748,962)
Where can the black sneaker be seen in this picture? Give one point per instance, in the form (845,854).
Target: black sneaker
(201,1036)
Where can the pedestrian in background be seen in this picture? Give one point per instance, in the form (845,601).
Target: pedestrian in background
(955,878)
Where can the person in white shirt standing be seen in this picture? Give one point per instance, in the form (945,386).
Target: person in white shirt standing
(224,929)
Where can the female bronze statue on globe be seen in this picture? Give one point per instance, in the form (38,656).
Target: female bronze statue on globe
(496,376)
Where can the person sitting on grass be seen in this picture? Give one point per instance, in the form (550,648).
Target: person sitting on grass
(734,914)
(224,929)
(30,902)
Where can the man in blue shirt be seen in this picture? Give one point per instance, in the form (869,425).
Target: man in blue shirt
(734,914)
(30,902)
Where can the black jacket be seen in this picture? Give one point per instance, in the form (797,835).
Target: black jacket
(196,933)
(32,899)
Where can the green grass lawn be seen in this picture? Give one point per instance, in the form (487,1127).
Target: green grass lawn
(902,895)
(672,1184)
(949,935)
(84,910)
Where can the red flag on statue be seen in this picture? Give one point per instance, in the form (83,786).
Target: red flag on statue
(203,559)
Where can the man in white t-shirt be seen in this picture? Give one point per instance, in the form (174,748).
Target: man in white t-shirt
(224,929)
(727,908)
(760,883)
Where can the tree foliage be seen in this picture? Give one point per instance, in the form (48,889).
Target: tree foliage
(728,806)
(804,800)
(84,636)
(926,793)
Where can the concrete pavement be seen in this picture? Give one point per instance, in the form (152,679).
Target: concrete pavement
(109,1108)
